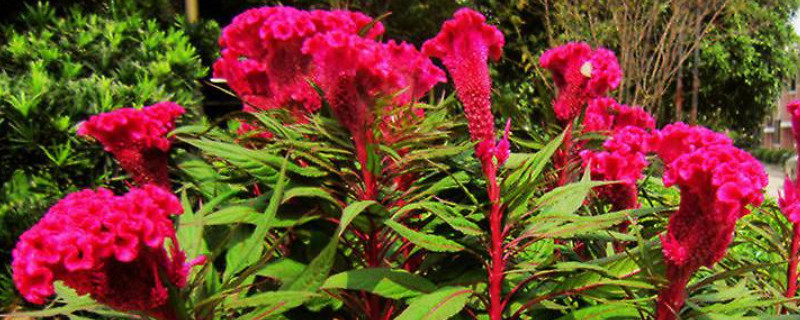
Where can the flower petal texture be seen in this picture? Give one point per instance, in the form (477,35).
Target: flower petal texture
(262,58)
(580,73)
(110,247)
(137,138)
(465,44)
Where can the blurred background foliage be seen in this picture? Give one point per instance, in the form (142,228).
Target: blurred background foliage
(64,60)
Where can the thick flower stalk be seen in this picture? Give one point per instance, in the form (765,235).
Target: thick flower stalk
(717,182)
(353,73)
(465,44)
(137,138)
(580,74)
(789,203)
(110,247)
(262,58)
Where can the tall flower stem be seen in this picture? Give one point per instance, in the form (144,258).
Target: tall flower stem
(671,298)
(791,272)
(497,267)
(362,139)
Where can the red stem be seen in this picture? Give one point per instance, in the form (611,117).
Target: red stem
(362,139)
(671,298)
(791,272)
(497,267)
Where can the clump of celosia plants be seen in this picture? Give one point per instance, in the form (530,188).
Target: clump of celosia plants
(400,218)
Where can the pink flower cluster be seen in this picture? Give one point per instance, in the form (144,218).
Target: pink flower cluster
(622,159)
(137,138)
(580,74)
(465,45)
(261,58)
(789,201)
(606,114)
(110,247)
(270,54)
(717,184)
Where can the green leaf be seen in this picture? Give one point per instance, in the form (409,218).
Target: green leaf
(254,246)
(446,213)
(259,163)
(282,270)
(190,230)
(439,305)
(309,192)
(427,241)
(611,311)
(283,300)
(350,213)
(566,200)
(389,283)
(312,277)
(520,186)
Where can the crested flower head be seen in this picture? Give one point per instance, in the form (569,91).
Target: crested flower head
(465,44)
(580,74)
(794,111)
(352,72)
(606,114)
(137,138)
(679,138)
(717,185)
(623,159)
(262,58)
(789,200)
(110,247)
(417,72)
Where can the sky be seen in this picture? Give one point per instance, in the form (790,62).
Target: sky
(796,22)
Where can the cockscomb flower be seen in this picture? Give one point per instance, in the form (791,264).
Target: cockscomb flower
(262,58)
(717,184)
(352,72)
(465,44)
(137,138)
(351,22)
(678,138)
(580,74)
(417,72)
(789,201)
(606,114)
(110,247)
(622,159)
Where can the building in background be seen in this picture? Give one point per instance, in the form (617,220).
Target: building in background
(777,132)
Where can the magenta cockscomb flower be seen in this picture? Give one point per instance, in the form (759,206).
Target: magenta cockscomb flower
(417,72)
(678,138)
(109,247)
(717,182)
(789,203)
(262,58)
(465,45)
(622,159)
(580,74)
(353,73)
(137,138)
(606,114)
